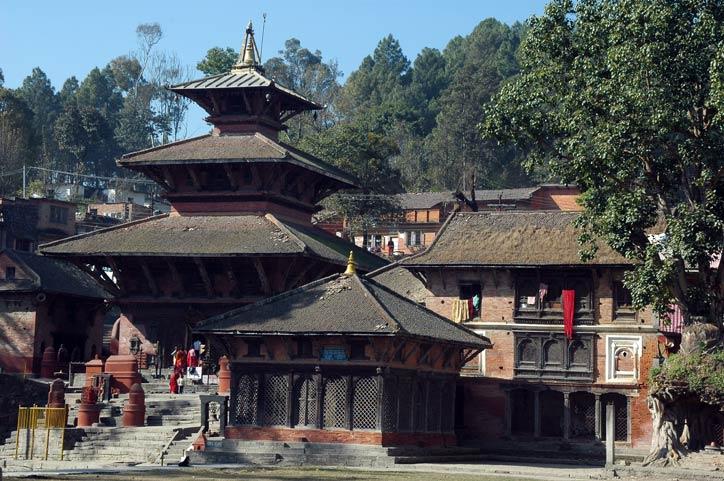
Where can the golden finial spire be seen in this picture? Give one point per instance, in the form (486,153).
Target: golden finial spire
(351,266)
(249,55)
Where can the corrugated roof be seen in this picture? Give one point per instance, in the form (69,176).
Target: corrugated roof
(51,276)
(427,200)
(513,238)
(228,235)
(341,305)
(249,78)
(254,147)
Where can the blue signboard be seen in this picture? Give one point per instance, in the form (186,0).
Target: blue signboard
(334,353)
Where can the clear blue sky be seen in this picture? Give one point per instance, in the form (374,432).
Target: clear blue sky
(70,38)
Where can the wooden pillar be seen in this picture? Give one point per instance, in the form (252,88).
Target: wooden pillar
(536,414)
(610,433)
(508,414)
(259,390)
(320,398)
(597,416)
(380,398)
(348,404)
(566,415)
(290,399)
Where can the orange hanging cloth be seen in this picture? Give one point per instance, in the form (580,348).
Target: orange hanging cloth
(569,306)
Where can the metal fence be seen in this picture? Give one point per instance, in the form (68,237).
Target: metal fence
(36,419)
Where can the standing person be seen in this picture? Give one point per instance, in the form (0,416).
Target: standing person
(179,359)
(173,385)
(192,358)
(180,383)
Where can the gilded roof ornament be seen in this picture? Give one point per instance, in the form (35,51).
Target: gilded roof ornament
(351,266)
(249,54)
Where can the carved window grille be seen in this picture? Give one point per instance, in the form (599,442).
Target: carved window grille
(247,392)
(447,416)
(434,398)
(389,404)
(305,401)
(404,403)
(364,403)
(274,400)
(553,353)
(620,403)
(420,406)
(583,415)
(334,406)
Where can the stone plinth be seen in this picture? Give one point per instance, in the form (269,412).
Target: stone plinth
(124,370)
(224,376)
(134,411)
(92,368)
(56,395)
(48,363)
(88,411)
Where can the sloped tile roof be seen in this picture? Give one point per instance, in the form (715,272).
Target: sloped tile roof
(52,276)
(199,235)
(341,305)
(427,200)
(254,147)
(401,281)
(512,238)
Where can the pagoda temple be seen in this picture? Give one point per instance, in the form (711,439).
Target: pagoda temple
(240,226)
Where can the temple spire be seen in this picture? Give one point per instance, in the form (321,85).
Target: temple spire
(351,266)
(249,54)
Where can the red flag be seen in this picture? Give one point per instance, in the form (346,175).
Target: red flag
(569,306)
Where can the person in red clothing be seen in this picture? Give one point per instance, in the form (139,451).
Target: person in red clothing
(192,358)
(173,385)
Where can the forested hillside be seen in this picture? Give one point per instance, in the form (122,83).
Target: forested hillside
(398,125)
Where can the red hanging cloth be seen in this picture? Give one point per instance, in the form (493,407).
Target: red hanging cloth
(569,306)
(471,309)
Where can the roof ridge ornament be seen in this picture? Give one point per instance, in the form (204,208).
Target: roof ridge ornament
(249,55)
(351,266)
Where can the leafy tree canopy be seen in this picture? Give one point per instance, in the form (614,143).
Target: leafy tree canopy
(624,99)
(217,60)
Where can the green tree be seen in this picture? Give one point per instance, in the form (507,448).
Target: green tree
(68,92)
(625,99)
(16,139)
(98,91)
(39,95)
(217,61)
(84,133)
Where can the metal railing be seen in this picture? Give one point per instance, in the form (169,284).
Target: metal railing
(32,419)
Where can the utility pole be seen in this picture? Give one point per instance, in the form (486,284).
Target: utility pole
(24,190)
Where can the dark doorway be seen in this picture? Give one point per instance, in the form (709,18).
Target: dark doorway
(551,414)
(522,411)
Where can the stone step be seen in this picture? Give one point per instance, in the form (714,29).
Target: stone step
(269,459)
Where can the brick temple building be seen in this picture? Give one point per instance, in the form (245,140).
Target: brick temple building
(345,360)
(505,275)
(46,302)
(240,226)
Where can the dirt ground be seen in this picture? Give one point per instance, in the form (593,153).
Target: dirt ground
(262,474)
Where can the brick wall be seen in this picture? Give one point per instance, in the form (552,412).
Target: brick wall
(338,436)
(17,332)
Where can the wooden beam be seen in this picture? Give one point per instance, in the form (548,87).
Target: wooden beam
(470,355)
(281,283)
(301,274)
(204,276)
(265,286)
(234,281)
(194,177)
(98,274)
(176,277)
(149,278)
(399,348)
(406,356)
(151,172)
(424,354)
(233,182)
(117,274)
(166,173)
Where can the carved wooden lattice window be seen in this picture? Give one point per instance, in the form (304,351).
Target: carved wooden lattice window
(583,415)
(579,355)
(434,397)
(528,352)
(274,400)
(334,404)
(247,391)
(364,403)
(620,403)
(389,404)
(305,401)
(404,403)
(553,353)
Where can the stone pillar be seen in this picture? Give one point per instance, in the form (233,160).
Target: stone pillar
(124,370)
(224,376)
(566,415)
(48,363)
(89,411)
(597,417)
(536,414)
(134,411)
(610,433)
(56,395)
(92,368)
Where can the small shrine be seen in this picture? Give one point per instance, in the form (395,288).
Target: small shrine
(342,359)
